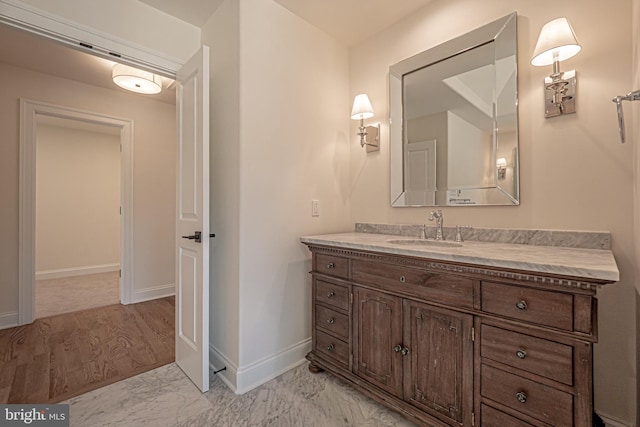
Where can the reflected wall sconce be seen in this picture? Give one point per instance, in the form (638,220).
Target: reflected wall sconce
(557,42)
(501,166)
(369,135)
(136,80)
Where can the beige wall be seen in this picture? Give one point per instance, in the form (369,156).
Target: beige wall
(130,20)
(286,142)
(77,199)
(574,172)
(153,179)
(222,34)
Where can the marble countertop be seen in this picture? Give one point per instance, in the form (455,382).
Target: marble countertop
(595,264)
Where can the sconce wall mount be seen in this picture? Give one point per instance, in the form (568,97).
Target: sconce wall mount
(557,42)
(369,135)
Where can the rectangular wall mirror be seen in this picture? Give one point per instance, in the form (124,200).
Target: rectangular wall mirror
(454,121)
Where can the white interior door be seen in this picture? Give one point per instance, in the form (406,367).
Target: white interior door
(192,253)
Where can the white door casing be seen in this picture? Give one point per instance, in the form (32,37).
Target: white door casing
(192,216)
(29,109)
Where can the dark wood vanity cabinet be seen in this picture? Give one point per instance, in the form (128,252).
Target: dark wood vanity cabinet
(455,345)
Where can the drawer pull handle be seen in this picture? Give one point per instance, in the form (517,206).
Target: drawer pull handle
(330,265)
(397,348)
(330,347)
(330,320)
(330,294)
(521,305)
(522,398)
(405,351)
(521,354)
(402,279)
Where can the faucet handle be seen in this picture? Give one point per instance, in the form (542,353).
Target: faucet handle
(459,228)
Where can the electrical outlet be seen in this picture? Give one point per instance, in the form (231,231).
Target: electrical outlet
(315,208)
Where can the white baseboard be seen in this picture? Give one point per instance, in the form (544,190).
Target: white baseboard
(261,371)
(217,360)
(76,271)
(147,294)
(8,320)
(610,421)
(244,379)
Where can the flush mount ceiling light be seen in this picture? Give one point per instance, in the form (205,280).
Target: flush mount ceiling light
(136,80)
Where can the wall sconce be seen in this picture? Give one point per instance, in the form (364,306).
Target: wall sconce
(501,166)
(557,42)
(369,135)
(136,80)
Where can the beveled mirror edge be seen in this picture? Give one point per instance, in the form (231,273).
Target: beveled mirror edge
(470,40)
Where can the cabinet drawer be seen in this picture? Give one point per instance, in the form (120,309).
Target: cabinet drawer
(332,347)
(541,402)
(433,286)
(332,321)
(332,265)
(332,294)
(493,418)
(530,305)
(536,355)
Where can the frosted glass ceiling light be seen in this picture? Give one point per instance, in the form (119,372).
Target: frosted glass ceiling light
(136,80)
(557,42)
(361,110)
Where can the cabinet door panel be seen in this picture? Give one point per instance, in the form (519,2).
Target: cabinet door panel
(377,330)
(439,377)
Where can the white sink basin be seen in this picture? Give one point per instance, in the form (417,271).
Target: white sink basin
(424,242)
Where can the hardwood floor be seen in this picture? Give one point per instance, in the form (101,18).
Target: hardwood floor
(59,357)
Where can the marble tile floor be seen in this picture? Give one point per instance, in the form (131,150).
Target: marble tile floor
(165,397)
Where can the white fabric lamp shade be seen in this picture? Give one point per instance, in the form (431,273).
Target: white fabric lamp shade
(556,37)
(501,162)
(136,80)
(362,108)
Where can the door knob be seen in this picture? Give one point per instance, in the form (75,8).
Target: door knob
(405,351)
(197,236)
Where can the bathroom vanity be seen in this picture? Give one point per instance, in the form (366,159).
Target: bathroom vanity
(482,334)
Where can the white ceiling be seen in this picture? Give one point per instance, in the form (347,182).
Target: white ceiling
(349,21)
(25,50)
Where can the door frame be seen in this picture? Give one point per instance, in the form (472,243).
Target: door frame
(29,110)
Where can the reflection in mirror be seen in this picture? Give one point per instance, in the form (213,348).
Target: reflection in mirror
(454,121)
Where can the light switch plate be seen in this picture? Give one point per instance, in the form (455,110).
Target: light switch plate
(315,208)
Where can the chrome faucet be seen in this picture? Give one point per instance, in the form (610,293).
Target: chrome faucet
(439,218)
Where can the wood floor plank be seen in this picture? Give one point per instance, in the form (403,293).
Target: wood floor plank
(59,357)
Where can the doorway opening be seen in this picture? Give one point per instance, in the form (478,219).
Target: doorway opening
(77,249)
(32,113)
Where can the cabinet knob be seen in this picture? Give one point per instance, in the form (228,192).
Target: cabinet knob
(330,320)
(521,354)
(521,396)
(397,348)
(402,279)
(330,265)
(330,294)
(521,305)
(330,347)
(405,351)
